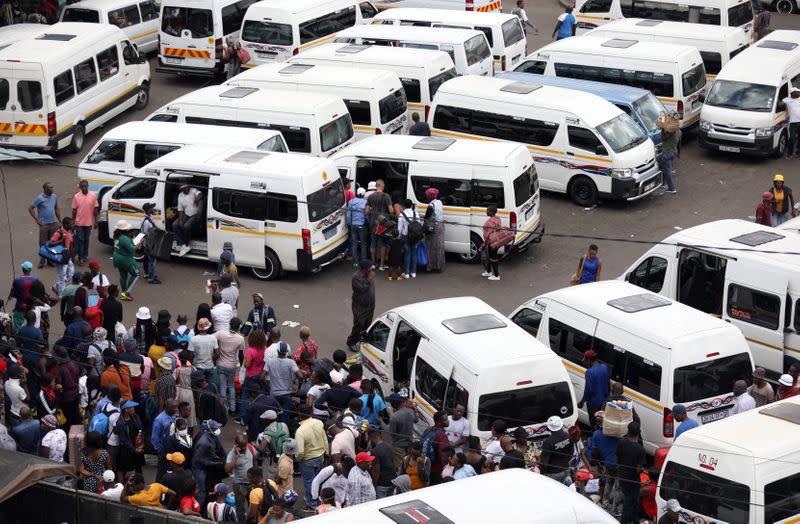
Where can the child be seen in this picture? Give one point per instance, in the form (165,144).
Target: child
(219,510)
(328,498)
(396,257)
(189,504)
(182,331)
(306,346)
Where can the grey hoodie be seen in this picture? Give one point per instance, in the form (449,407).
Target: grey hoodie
(403,483)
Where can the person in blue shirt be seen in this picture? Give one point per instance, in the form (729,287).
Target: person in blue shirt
(161,425)
(565,25)
(356,218)
(373,405)
(679,415)
(27,433)
(47,216)
(602,447)
(597,387)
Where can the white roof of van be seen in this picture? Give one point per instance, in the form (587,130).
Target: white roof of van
(444,15)
(588,107)
(769,63)
(99,5)
(370,54)
(485,348)
(664,324)
(410,33)
(53,51)
(669,28)
(261,99)
(533,499)
(752,433)
(212,157)
(459,151)
(149,131)
(328,75)
(293,6)
(591,45)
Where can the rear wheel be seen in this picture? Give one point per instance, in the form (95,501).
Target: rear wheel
(142,98)
(474,255)
(785,7)
(583,192)
(78,138)
(272,269)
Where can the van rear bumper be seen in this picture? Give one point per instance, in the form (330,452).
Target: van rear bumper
(51,146)
(193,71)
(533,237)
(306,263)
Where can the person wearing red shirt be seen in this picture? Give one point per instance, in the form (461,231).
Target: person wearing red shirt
(648,493)
(189,504)
(764,210)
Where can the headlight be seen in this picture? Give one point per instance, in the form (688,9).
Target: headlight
(622,173)
(705,125)
(765,131)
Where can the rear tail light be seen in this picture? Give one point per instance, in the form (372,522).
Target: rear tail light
(218,51)
(296,50)
(51,124)
(470,5)
(427,110)
(306,233)
(680,109)
(378,131)
(503,63)
(660,456)
(669,423)
(512,219)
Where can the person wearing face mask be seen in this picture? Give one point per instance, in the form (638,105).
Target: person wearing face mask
(209,456)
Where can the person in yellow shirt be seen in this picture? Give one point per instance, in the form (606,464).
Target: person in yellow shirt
(136,495)
(782,201)
(312,446)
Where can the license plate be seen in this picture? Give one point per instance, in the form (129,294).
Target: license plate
(331,231)
(170,60)
(729,149)
(5,138)
(713,416)
(529,213)
(267,54)
(648,186)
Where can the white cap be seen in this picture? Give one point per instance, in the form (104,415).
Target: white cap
(108,476)
(360,191)
(555,423)
(372,185)
(786,380)
(336,377)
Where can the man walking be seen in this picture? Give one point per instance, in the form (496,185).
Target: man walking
(189,200)
(85,209)
(357,220)
(363,301)
(565,24)
(670,148)
(47,215)
(782,201)
(520,13)
(64,237)
(686,423)
(793,109)
(312,446)
(631,458)
(597,386)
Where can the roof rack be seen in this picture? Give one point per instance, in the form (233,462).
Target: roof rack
(619,43)
(520,88)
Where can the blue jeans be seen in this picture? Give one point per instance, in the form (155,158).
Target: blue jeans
(666,168)
(377,243)
(150,267)
(383,491)
(200,477)
(210,375)
(64,272)
(308,470)
(251,388)
(409,256)
(183,234)
(82,235)
(286,407)
(780,219)
(358,239)
(227,389)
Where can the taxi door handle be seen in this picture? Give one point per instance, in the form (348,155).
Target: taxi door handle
(216,224)
(570,153)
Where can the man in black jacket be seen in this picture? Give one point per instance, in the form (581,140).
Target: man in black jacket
(363,302)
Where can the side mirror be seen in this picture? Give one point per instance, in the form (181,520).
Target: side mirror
(629,277)
(600,150)
(702,98)
(781,106)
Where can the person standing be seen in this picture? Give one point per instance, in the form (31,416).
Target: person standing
(232,57)
(281,371)
(597,385)
(21,290)
(792,103)
(85,209)
(410,231)
(764,209)
(744,401)
(149,258)
(221,313)
(379,206)
(359,481)
(434,226)
(127,266)
(520,13)
(131,442)
(161,425)
(782,201)
(565,24)
(64,237)
(363,301)
(189,209)
(631,459)
(761,390)
(556,450)
(670,151)
(491,264)
(686,423)
(231,345)
(438,438)
(47,215)
(208,457)
(384,469)
(419,128)
(206,350)
(312,446)
(589,267)
(356,218)
(239,460)
(457,427)
(260,317)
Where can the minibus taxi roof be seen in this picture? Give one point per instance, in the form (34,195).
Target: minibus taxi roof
(636,310)
(444,16)
(604,46)
(59,43)
(762,434)
(371,54)
(588,107)
(99,5)
(326,75)
(260,99)
(479,336)
(151,131)
(674,29)
(619,92)
(293,6)
(434,149)
(764,62)
(411,33)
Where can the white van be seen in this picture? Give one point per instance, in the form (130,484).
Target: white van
(194,34)
(375,98)
(62,84)
(452,502)
(744,112)
(743,470)
(480,6)
(312,123)
(581,144)
(11,34)
(276,30)
(737,272)
(133,145)
(662,352)
(503,31)
(468,48)
(463,350)
(731,13)
(469,175)
(672,72)
(283,212)
(139,20)
(420,71)
(716,44)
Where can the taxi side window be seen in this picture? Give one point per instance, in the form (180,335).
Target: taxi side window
(529,320)
(378,335)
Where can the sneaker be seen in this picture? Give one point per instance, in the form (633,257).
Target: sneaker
(389,278)
(413,275)
(492,277)
(42,262)
(184,250)
(671,191)
(486,274)
(155,281)
(125,296)
(384,268)
(406,275)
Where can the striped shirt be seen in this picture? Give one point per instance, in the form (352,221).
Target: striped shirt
(165,387)
(359,487)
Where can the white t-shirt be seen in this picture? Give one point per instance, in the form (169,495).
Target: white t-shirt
(113,438)
(457,429)
(16,393)
(38,310)
(221,316)
(186,202)
(203,346)
(115,492)
(520,13)
(272,349)
(100,280)
(494,451)
(793,108)
(316,391)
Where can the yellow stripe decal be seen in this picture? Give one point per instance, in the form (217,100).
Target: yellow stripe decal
(323,248)
(144,34)
(626,390)
(668,100)
(239,230)
(364,128)
(282,234)
(425,405)
(534,148)
(779,116)
(101,181)
(416,106)
(528,230)
(762,343)
(318,41)
(124,214)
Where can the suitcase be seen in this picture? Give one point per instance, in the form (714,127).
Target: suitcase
(75,439)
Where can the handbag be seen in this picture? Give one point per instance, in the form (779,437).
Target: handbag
(428,224)
(576,277)
(422,254)
(56,253)
(500,238)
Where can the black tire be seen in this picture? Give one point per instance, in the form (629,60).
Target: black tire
(785,7)
(474,255)
(272,269)
(142,97)
(78,139)
(583,191)
(783,144)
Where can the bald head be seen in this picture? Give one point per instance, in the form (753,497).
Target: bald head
(77,312)
(739,387)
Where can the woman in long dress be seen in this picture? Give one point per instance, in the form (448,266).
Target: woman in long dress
(435,240)
(184,390)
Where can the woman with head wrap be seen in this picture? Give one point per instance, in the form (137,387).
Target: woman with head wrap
(434,218)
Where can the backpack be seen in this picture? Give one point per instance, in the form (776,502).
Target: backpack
(416,232)
(220,412)
(92,297)
(150,409)
(429,225)
(270,496)
(182,338)
(278,437)
(100,422)
(429,442)
(93,314)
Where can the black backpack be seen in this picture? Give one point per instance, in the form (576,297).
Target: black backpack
(269,499)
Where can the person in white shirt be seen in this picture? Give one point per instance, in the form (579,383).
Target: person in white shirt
(189,200)
(407,216)
(334,477)
(744,402)
(111,489)
(16,393)
(275,343)
(793,110)
(457,427)
(221,313)
(520,13)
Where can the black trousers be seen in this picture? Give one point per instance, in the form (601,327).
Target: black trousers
(361,321)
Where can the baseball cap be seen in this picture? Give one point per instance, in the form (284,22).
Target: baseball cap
(786,380)
(767,195)
(589,354)
(365,264)
(227,246)
(27,265)
(673,505)
(108,476)
(361,457)
(269,415)
(94,264)
(176,457)
(555,423)
(283,348)
(361,191)
(678,409)
(221,489)
(395,398)
(226,256)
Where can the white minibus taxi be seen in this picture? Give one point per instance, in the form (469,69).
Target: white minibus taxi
(421,71)
(139,20)
(66,82)
(674,73)
(735,270)
(11,34)
(470,177)
(503,31)
(468,48)
(194,34)
(312,123)
(744,112)
(282,211)
(445,503)
(133,145)
(731,13)
(375,98)
(743,470)
(581,144)
(716,44)
(276,30)
(662,352)
(461,350)
(481,6)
